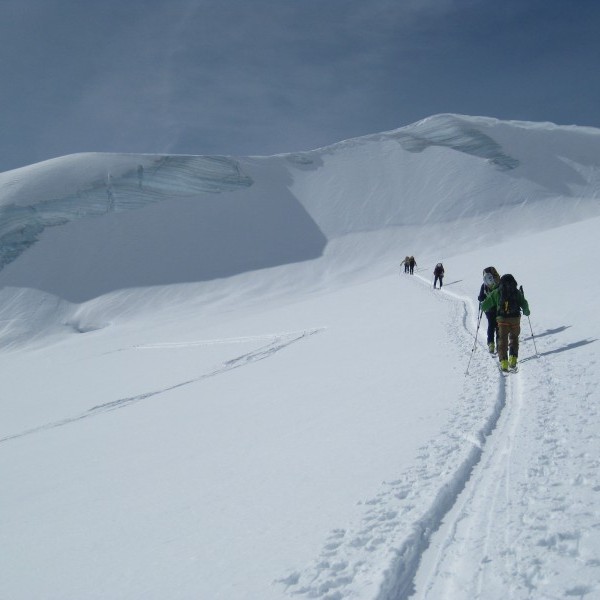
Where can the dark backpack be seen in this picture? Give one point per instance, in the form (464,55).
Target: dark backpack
(509,299)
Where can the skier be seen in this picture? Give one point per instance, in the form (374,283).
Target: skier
(509,301)
(412,263)
(406,262)
(438,274)
(491,279)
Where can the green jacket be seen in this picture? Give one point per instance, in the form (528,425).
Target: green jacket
(493,300)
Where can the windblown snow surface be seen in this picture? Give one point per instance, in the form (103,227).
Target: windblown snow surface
(218,384)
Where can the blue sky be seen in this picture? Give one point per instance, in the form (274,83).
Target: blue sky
(246,77)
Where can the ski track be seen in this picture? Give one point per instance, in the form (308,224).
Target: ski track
(497,543)
(380,557)
(472,498)
(476,510)
(277,343)
(267,337)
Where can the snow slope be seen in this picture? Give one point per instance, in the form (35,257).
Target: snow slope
(218,384)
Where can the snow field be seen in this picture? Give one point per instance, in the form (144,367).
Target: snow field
(297,422)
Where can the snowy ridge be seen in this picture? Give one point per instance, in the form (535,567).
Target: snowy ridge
(286,209)
(413,177)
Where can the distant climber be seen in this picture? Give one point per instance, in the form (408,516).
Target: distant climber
(412,263)
(438,275)
(509,302)
(406,262)
(491,279)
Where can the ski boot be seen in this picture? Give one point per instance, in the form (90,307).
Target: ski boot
(504,365)
(491,347)
(512,362)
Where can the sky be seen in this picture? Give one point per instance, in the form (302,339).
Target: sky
(245,78)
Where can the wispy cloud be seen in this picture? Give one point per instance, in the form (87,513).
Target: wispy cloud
(239,77)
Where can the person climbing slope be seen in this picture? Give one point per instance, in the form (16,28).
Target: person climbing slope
(406,263)
(491,279)
(412,263)
(509,302)
(438,275)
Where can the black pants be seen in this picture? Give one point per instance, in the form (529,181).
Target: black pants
(438,277)
(492,328)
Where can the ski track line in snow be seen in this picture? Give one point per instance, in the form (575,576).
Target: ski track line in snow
(402,585)
(522,527)
(234,340)
(552,552)
(488,485)
(399,522)
(278,342)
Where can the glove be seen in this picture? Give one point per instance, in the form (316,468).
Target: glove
(526,312)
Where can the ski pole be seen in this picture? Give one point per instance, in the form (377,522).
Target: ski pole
(475,342)
(532,336)
(530,327)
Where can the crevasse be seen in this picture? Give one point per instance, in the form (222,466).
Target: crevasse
(152,179)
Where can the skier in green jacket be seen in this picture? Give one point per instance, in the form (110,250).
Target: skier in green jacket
(509,302)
